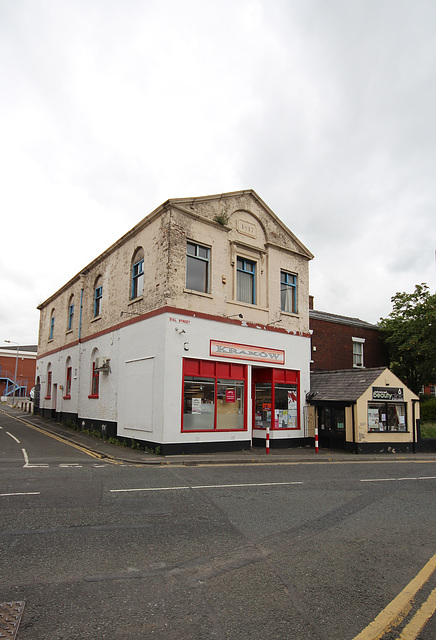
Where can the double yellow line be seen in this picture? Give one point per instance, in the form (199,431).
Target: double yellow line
(395,612)
(93,454)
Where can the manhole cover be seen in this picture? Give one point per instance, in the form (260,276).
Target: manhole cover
(10,618)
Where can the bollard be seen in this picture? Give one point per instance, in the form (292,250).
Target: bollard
(267,440)
(316,440)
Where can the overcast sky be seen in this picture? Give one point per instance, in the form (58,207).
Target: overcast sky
(326,108)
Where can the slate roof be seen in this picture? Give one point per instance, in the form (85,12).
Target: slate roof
(334,317)
(345,385)
(32,348)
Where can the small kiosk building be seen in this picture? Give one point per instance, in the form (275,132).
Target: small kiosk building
(363,411)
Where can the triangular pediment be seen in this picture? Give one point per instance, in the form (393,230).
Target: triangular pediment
(246,216)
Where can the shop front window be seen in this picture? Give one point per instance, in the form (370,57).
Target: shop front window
(199,404)
(286,407)
(230,404)
(383,416)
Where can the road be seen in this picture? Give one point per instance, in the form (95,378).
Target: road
(92,550)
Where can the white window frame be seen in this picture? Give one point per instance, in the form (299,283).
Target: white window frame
(358,341)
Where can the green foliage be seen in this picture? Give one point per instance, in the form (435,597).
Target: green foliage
(428,430)
(223,216)
(428,409)
(410,336)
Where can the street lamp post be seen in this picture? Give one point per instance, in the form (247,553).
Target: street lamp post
(16,368)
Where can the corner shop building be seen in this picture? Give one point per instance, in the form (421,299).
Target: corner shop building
(190,333)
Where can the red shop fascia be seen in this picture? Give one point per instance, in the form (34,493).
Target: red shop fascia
(217,372)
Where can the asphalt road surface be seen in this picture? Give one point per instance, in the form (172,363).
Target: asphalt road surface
(92,549)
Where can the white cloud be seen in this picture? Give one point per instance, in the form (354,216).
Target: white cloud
(325,109)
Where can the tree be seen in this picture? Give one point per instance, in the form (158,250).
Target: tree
(409,333)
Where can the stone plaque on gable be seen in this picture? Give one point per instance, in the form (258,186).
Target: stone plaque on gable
(246,228)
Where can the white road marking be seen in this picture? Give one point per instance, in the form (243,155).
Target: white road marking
(73,464)
(398,479)
(26,457)
(208,486)
(12,436)
(29,493)
(27,464)
(148,489)
(379,480)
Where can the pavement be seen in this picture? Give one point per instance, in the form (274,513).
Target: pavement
(255,455)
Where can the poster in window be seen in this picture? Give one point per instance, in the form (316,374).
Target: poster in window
(196,405)
(373,419)
(292,409)
(230,395)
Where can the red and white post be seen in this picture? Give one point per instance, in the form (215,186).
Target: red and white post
(267,440)
(316,440)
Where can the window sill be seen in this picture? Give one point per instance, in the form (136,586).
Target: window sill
(47,398)
(66,397)
(291,314)
(68,331)
(134,300)
(96,318)
(93,396)
(203,294)
(385,431)
(247,305)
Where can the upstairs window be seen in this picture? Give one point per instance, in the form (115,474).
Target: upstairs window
(52,325)
(70,314)
(137,284)
(288,292)
(246,281)
(98,294)
(358,351)
(197,267)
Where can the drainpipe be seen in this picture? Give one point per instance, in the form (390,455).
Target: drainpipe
(79,364)
(80,313)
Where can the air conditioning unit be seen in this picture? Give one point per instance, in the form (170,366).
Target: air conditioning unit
(102,363)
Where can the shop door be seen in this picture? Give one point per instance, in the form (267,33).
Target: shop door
(262,405)
(331,427)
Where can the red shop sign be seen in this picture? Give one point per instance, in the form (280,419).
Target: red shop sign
(230,395)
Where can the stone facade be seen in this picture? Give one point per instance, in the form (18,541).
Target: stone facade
(149,338)
(250,229)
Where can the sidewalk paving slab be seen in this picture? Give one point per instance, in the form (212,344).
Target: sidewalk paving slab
(256,455)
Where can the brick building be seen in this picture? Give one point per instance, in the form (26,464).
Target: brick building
(25,364)
(340,342)
(191,332)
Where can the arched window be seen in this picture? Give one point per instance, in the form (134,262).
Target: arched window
(98,295)
(95,381)
(137,274)
(52,324)
(70,316)
(68,378)
(49,380)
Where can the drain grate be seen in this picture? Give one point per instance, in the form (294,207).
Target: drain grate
(10,618)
